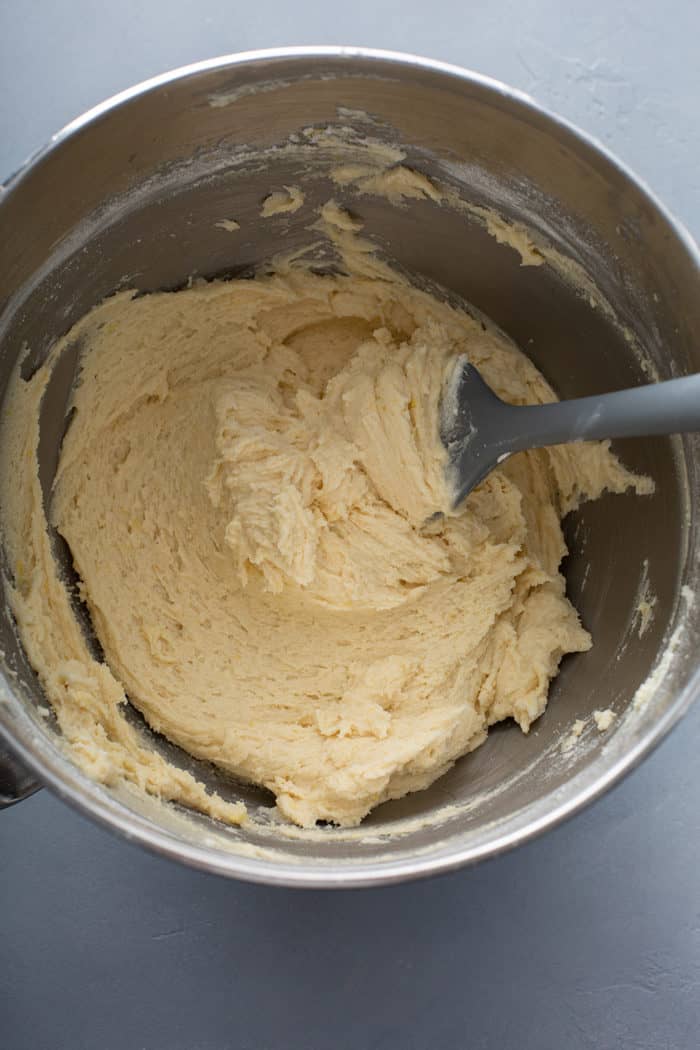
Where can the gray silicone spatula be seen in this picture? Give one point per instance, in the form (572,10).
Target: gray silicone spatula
(480,431)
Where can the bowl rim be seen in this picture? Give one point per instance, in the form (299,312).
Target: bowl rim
(54,768)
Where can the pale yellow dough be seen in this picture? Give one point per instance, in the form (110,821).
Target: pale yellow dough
(244,487)
(281,202)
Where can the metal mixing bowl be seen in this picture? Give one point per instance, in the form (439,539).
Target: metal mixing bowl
(128,195)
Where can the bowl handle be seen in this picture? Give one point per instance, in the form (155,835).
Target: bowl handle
(16,782)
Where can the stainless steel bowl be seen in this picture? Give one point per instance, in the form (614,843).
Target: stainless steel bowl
(128,195)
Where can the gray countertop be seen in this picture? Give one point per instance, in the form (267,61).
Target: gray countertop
(586,938)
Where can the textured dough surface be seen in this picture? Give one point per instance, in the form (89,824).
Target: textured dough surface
(244,486)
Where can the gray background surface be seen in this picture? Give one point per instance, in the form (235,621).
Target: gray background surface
(589,937)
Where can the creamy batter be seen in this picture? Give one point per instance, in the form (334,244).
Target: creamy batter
(244,486)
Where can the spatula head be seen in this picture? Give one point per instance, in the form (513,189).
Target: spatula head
(472,422)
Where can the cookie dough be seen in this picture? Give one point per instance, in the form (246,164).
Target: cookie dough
(230,225)
(244,486)
(281,202)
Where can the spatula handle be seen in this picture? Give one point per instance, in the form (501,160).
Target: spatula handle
(670,407)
